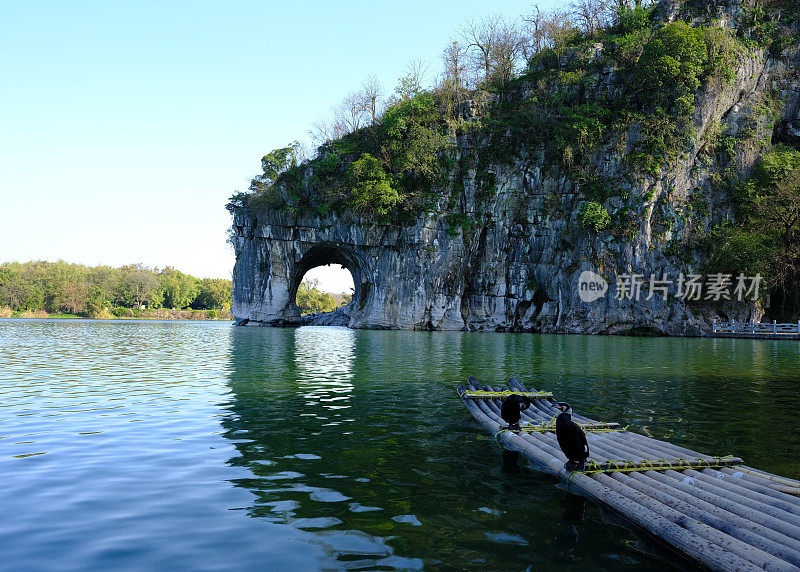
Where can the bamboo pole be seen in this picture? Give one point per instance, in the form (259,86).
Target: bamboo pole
(719,494)
(766,478)
(766,526)
(648,449)
(753,487)
(790,511)
(750,545)
(618,453)
(502,393)
(548,406)
(624,451)
(730,504)
(709,485)
(655,444)
(763,487)
(764,494)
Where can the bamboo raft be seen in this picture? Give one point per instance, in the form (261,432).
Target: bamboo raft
(715,510)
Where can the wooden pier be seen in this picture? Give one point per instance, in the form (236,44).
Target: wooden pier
(716,510)
(765,330)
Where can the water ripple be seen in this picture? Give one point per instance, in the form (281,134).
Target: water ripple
(147,445)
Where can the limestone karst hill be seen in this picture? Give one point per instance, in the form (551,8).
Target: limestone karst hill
(646,154)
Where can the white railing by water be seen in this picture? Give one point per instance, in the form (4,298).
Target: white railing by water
(756,328)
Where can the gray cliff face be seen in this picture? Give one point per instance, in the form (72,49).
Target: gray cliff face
(516,268)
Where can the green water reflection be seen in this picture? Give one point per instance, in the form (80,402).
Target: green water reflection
(359,435)
(200,446)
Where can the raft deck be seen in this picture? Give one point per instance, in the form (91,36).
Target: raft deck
(715,510)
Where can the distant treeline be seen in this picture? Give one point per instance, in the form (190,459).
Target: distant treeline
(311,300)
(103,291)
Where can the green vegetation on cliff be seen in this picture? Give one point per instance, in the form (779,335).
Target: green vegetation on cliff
(574,108)
(606,101)
(593,215)
(765,238)
(104,292)
(381,171)
(398,162)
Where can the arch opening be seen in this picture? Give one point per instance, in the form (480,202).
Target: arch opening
(326,286)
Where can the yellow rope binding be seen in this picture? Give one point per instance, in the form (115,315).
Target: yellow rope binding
(550,427)
(470,394)
(593,467)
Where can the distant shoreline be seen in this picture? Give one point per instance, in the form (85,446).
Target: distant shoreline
(115,319)
(157,314)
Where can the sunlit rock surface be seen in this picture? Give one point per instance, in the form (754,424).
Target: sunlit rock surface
(516,266)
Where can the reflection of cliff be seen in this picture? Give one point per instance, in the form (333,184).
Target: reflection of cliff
(359,438)
(324,361)
(286,386)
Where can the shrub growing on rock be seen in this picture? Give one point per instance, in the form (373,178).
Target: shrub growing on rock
(371,190)
(672,63)
(593,215)
(633,19)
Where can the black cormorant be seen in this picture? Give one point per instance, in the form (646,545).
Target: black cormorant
(510,411)
(571,439)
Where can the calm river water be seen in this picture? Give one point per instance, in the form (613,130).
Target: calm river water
(200,446)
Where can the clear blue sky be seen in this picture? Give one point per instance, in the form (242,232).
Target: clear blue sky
(124,126)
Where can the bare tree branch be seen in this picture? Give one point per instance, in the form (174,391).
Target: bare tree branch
(455,67)
(371,94)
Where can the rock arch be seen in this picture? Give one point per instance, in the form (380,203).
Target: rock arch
(322,255)
(400,280)
(271,261)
